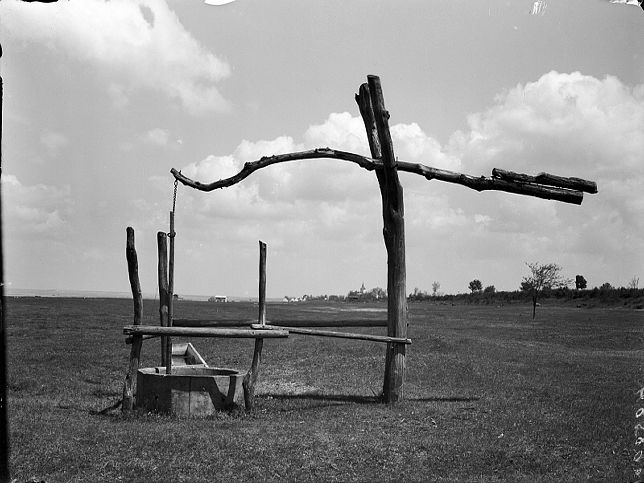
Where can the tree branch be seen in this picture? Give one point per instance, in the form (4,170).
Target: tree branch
(250,167)
(559,189)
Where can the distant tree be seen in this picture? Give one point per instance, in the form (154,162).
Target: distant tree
(476,286)
(606,287)
(580,282)
(435,287)
(542,277)
(633,283)
(489,289)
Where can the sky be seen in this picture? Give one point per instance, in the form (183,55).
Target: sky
(102,99)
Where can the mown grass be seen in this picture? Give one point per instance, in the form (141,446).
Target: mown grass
(490,396)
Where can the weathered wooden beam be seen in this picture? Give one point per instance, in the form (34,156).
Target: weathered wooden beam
(394,235)
(482,183)
(251,167)
(202,332)
(547,179)
(129,387)
(336,334)
(478,183)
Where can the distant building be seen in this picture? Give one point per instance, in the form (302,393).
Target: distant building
(218,298)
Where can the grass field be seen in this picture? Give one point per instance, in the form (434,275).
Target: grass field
(490,395)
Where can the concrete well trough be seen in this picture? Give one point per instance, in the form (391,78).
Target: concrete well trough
(190,391)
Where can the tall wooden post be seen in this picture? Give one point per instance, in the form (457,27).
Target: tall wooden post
(4,418)
(168,357)
(162,273)
(129,388)
(251,376)
(376,119)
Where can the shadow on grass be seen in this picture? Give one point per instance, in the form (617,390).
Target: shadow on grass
(347,398)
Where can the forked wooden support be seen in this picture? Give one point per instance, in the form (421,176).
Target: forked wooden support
(250,379)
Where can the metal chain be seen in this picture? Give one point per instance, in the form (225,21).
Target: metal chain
(174,196)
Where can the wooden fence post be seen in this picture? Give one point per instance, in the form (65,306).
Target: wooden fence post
(137,341)
(162,248)
(251,376)
(376,119)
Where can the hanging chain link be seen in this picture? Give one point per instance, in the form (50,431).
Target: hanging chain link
(174,196)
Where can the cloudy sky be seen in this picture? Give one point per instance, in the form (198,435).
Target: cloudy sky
(102,99)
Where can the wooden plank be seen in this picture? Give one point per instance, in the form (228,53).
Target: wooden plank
(185,354)
(129,387)
(202,332)
(333,333)
(284,323)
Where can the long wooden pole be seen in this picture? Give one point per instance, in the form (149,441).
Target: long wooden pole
(129,388)
(333,333)
(250,378)
(215,332)
(544,185)
(162,274)
(168,354)
(4,420)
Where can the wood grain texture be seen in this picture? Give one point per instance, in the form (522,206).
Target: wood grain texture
(202,332)
(393,213)
(336,334)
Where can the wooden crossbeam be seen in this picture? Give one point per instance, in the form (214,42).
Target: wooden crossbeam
(544,185)
(202,332)
(332,333)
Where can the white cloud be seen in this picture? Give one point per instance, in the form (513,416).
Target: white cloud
(53,141)
(157,136)
(567,124)
(570,125)
(34,209)
(134,43)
